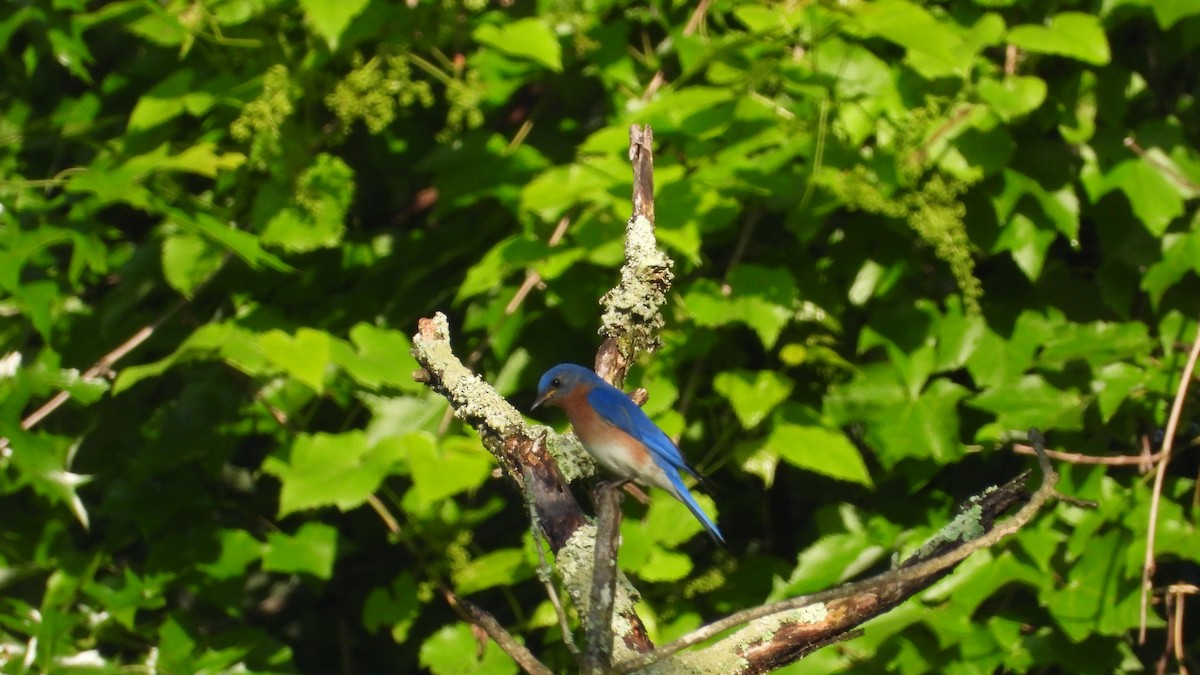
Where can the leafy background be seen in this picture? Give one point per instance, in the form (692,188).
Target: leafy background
(902,232)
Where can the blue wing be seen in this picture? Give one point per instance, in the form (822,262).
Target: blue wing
(615,408)
(618,410)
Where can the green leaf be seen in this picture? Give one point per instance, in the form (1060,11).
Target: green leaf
(37,300)
(381,357)
(1071,34)
(753,395)
(936,47)
(123,600)
(1155,200)
(189,260)
(760,297)
(168,99)
(824,451)
(43,462)
(438,473)
(530,39)
(453,650)
(1013,97)
(1002,359)
(395,607)
(333,469)
(311,550)
(329,18)
(1094,597)
(847,547)
(669,523)
(303,356)
(1180,255)
(1113,384)
(665,566)
(505,567)
(1098,343)
(898,424)
(239,549)
(1029,402)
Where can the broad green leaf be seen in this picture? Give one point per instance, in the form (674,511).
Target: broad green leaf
(303,356)
(669,523)
(1113,384)
(506,567)
(453,650)
(395,607)
(168,99)
(510,255)
(936,47)
(1071,34)
(239,549)
(1155,199)
(43,462)
(1094,597)
(528,38)
(188,260)
(1002,359)
(832,559)
(124,599)
(1029,402)
(37,300)
(753,395)
(664,566)
(341,470)
(243,244)
(760,297)
(314,217)
(329,18)
(239,347)
(1099,343)
(817,449)
(311,550)
(381,357)
(1180,255)
(442,472)
(1013,97)
(899,425)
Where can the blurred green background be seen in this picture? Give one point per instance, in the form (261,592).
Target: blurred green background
(902,233)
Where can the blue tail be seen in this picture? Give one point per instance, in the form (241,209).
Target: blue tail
(683,495)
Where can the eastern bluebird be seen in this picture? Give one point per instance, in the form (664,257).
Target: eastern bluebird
(615,431)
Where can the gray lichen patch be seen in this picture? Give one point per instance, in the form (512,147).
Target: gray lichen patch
(633,310)
(576,565)
(474,400)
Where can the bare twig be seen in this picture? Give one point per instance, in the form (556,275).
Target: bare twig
(697,19)
(1080,458)
(386,516)
(102,367)
(1148,565)
(597,658)
(918,570)
(477,616)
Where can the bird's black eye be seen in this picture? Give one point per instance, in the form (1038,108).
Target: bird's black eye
(556,383)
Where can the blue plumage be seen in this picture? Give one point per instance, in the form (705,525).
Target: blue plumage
(615,431)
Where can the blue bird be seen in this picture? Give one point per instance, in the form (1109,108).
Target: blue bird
(615,431)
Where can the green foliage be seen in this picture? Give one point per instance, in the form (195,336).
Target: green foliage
(903,233)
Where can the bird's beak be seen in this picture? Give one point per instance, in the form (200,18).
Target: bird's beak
(541,399)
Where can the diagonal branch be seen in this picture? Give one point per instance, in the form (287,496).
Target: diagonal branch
(818,618)
(477,616)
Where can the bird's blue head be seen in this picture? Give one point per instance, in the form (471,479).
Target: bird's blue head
(560,381)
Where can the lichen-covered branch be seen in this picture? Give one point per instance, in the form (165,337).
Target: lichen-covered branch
(782,632)
(523,454)
(632,315)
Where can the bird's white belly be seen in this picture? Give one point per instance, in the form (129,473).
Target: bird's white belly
(622,462)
